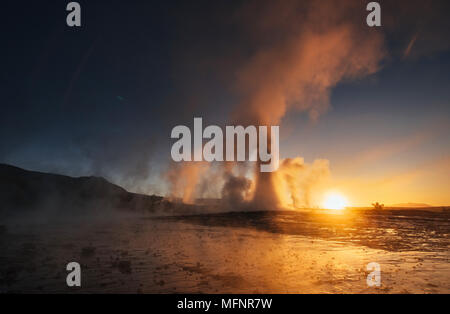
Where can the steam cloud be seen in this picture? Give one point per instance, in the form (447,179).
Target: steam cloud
(299,71)
(296,180)
(303,51)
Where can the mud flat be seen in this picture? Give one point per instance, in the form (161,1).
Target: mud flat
(263,252)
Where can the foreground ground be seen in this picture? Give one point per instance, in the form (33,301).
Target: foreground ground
(262,252)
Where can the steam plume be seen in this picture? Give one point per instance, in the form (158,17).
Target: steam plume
(298,70)
(302,51)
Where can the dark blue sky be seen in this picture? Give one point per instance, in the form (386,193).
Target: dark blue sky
(102,99)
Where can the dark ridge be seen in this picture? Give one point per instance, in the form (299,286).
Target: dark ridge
(26,191)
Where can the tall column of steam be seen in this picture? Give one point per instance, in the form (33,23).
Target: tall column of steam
(309,48)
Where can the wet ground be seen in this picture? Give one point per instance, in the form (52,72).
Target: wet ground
(257,252)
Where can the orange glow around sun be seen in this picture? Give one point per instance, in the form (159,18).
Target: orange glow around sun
(335,201)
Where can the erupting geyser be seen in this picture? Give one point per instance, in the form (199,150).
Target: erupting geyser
(295,69)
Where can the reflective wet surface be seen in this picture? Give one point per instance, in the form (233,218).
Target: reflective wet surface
(256,252)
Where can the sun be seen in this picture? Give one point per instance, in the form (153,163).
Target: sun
(335,201)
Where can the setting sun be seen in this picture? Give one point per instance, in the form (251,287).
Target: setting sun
(335,201)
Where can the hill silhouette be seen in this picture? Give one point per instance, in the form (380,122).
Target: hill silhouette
(24,191)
